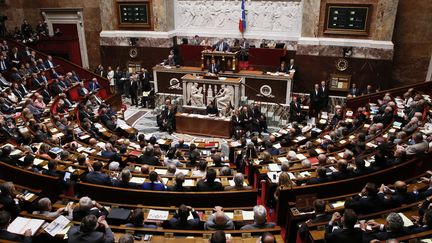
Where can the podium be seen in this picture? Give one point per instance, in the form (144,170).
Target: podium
(227,61)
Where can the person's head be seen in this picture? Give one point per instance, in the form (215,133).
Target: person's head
(145,169)
(137,217)
(52,165)
(360,163)
(394,222)
(217,159)
(126,238)
(306,163)
(202,165)
(260,214)
(284,179)
(171,169)
(266,156)
(44,204)
(400,186)
(6,150)
(220,218)
(267,237)
(211,175)
(97,166)
(153,176)
(114,166)
(285,166)
(85,203)
(321,172)
(342,165)
(180,179)
(81,159)
(88,224)
(427,217)
(238,179)
(319,206)
(4,219)
(225,171)
(183,213)
(316,86)
(349,218)
(28,160)
(369,189)
(125,175)
(218,237)
(417,137)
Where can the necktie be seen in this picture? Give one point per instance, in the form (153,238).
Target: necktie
(221,47)
(3,66)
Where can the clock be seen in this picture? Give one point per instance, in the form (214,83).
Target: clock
(133,52)
(342,64)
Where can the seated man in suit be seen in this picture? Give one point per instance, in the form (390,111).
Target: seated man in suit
(93,85)
(5,219)
(49,63)
(180,219)
(209,183)
(82,90)
(335,234)
(213,67)
(238,183)
(354,91)
(96,176)
(366,201)
(419,147)
(88,207)
(87,231)
(398,197)
(393,228)
(218,221)
(148,157)
(260,219)
(321,176)
(318,217)
(342,171)
(282,68)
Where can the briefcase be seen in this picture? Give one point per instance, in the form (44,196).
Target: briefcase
(118,216)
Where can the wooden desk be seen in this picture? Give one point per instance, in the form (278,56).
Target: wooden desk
(227,61)
(204,126)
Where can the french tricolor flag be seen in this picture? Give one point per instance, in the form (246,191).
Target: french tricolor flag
(242,21)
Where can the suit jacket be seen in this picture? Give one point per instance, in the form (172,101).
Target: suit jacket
(82,91)
(354,92)
(315,97)
(78,213)
(343,235)
(217,46)
(191,224)
(149,160)
(213,68)
(205,186)
(98,178)
(417,149)
(364,205)
(93,86)
(397,199)
(6,235)
(134,88)
(76,236)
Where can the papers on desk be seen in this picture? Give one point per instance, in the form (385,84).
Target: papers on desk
(165,180)
(317,130)
(371,145)
(188,182)
(57,225)
(248,215)
(319,151)
(161,141)
(291,175)
(327,137)
(184,172)
(301,157)
(338,204)
(37,161)
(84,137)
(283,159)
(305,174)
(161,171)
(56,150)
(277,146)
(232,183)
(407,222)
(274,167)
(235,144)
(157,215)
(341,154)
(20,225)
(229,214)
(137,180)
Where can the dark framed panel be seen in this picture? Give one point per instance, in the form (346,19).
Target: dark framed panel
(134,14)
(347,19)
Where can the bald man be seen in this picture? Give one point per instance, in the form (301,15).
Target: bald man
(398,197)
(218,221)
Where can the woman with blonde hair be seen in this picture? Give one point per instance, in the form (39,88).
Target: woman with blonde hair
(284,183)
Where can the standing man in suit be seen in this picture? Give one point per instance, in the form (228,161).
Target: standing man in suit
(354,91)
(15,57)
(324,95)
(295,110)
(292,66)
(345,234)
(134,90)
(87,231)
(221,45)
(213,67)
(315,101)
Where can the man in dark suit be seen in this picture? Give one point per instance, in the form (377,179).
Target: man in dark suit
(96,176)
(366,201)
(56,88)
(35,82)
(335,234)
(258,119)
(324,95)
(398,197)
(5,219)
(49,63)
(213,67)
(148,157)
(134,91)
(180,219)
(88,207)
(282,68)
(4,65)
(315,101)
(318,217)
(93,85)
(15,57)
(168,122)
(354,91)
(321,176)
(292,66)
(82,90)
(295,110)
(209,183)
(87,232)
(246,118)
(342,171)
(221,45)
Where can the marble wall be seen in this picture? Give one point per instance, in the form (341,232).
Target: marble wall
(413,41)
(214,18)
